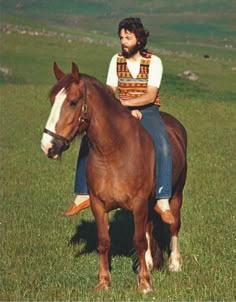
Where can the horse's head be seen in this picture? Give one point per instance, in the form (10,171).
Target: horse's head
(68,113)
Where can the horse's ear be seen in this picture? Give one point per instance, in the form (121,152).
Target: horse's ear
(57,72)
(75,72)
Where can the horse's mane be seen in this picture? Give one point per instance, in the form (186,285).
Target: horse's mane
(103,89)
(66,81)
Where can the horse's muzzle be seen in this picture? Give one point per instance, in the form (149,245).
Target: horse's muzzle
(57,148)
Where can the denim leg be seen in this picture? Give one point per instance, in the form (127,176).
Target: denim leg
(80,186)
(153,123)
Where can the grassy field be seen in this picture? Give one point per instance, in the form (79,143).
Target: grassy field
(42,257)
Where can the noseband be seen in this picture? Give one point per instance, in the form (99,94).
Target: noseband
(66,141)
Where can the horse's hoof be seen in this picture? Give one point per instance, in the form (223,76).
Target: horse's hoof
(101,287)
(144,288)
(175,264)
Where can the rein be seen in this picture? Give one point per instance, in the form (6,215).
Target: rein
(66,141)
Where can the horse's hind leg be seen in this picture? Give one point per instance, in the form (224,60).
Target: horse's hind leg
(148,254)
(140,243)
(175,260)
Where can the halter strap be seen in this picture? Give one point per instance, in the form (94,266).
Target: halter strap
(55,135)
(66,141)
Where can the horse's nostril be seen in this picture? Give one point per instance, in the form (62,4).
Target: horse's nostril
(56,150)
(51,153)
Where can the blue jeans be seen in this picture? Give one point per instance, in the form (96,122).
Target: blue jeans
(80,186)
(153,123)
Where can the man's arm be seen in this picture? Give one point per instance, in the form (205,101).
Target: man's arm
(112,79)
(147,98)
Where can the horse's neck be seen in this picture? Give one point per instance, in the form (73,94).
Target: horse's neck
(105,131)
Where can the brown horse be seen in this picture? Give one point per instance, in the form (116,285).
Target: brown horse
(120,166)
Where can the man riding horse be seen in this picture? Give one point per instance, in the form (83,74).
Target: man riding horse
(135,74)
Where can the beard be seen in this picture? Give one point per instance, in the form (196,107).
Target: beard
(132,51)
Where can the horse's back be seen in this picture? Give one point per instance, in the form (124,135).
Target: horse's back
(174,127)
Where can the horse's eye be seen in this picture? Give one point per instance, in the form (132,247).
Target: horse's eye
(73,103)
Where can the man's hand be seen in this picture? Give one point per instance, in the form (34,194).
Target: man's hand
(137,114)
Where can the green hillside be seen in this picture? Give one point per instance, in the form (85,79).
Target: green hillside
(181,31)
(168,21)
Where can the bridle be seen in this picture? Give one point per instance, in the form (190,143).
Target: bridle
(67,140)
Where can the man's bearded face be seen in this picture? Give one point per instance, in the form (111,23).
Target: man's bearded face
(128,52)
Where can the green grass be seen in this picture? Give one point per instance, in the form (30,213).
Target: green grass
(37,262)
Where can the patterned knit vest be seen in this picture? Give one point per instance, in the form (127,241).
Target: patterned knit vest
(130,87)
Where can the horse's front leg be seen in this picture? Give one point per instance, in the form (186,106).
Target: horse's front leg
(103,244)
(140,213)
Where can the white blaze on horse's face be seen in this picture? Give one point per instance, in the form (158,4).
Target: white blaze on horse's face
(46,142)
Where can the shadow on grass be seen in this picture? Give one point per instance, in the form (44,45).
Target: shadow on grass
(121,232)
(121,229)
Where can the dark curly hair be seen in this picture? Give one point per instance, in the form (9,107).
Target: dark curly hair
(134,25)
